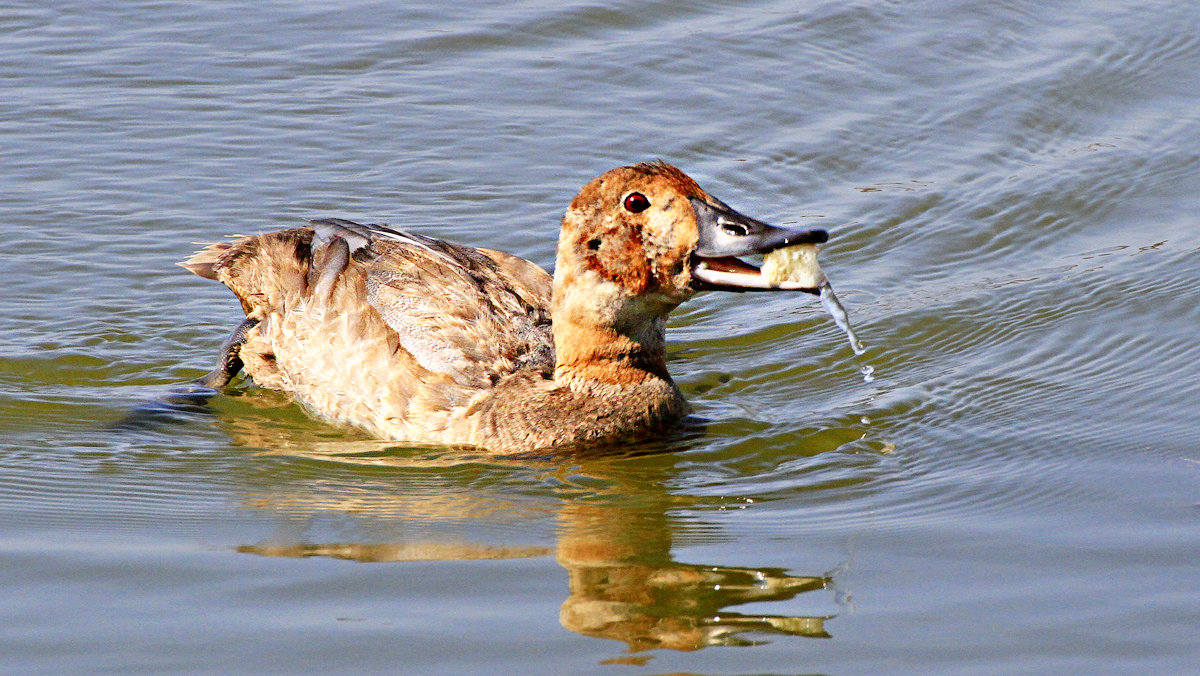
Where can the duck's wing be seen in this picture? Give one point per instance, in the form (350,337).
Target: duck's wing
(473,315)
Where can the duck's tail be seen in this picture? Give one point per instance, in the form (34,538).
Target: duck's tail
(204,262)
(259,269)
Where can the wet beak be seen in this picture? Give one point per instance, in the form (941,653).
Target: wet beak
(726,234)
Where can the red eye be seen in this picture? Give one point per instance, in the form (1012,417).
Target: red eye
(636,202)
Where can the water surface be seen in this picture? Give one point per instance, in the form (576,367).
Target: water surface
(1011,191)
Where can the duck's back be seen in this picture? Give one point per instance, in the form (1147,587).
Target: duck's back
(392,332)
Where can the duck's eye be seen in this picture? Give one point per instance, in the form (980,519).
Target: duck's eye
(636,202)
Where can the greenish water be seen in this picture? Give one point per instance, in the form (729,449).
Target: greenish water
(1012,192)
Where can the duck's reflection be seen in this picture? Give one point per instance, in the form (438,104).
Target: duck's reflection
(614,539)
(380,553)
(625,586)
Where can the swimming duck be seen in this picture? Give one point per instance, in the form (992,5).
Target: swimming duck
(415,339)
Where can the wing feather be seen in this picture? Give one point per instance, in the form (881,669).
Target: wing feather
(469,314)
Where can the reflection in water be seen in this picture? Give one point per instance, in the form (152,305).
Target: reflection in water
(614,539)
(680,606)
(376,553)
(625,586)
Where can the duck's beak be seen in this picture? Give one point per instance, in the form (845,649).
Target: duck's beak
(726,234)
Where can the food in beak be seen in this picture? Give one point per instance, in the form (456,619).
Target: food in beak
(793,265)
(793,268)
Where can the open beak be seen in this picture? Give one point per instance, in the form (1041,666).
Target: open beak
(726,234)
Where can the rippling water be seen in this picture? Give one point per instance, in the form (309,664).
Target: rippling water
(1012,190)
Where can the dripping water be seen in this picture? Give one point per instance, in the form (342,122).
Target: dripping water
(835,309)
(831,304)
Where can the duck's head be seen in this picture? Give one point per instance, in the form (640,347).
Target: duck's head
(644,238)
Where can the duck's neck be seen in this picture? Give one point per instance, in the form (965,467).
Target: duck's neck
(613,355)
(605,335)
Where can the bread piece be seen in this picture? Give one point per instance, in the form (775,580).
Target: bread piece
(797,264)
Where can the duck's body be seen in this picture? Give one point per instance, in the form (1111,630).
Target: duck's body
(414,339)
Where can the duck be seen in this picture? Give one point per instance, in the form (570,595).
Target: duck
(414,339)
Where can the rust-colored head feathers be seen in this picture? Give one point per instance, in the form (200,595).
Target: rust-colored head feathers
(633,227)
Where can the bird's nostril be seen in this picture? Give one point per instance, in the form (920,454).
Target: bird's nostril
(736,229)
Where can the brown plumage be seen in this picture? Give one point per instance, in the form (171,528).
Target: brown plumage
(415,339)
